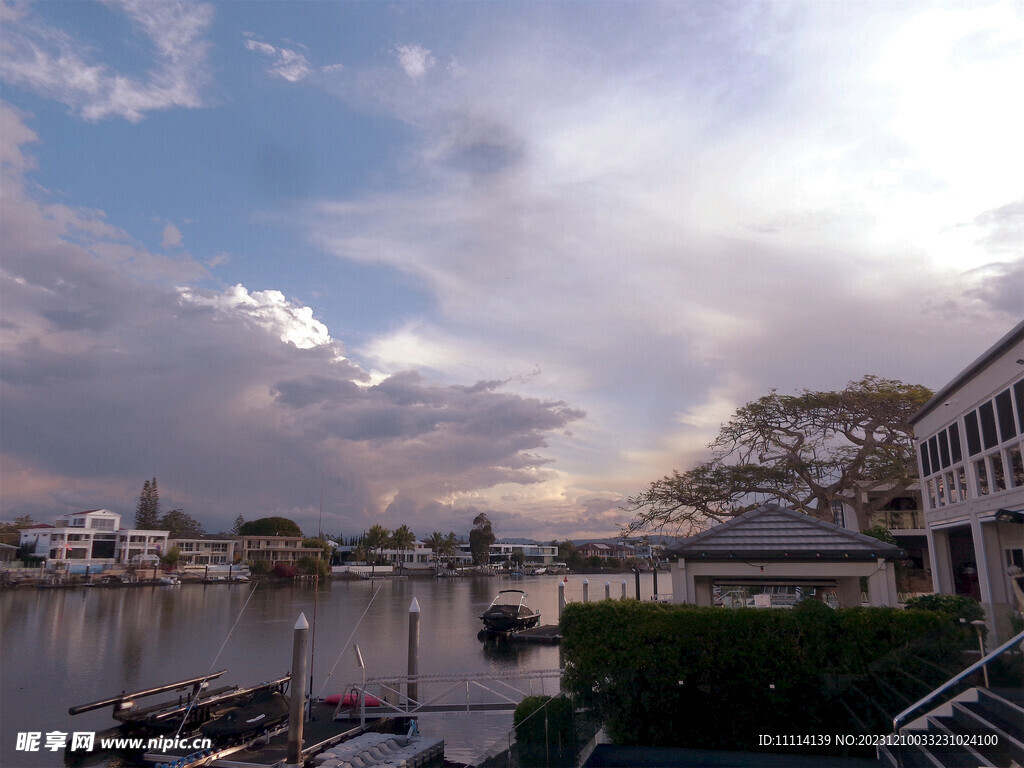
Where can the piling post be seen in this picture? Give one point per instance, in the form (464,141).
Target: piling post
(607,590)
(561,598)
(586,590)
(412,691)
(636,572)
(298,691)
(623,589)
(655,569)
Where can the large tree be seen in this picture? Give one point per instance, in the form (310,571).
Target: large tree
(147,511)
(481,536)
(180,525)
(807,451)
(270,526)
(402,539)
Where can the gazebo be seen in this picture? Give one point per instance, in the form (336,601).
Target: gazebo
(774,546)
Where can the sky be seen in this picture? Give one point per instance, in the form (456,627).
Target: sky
(409,262)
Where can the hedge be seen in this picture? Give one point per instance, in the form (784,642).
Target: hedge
(713,678)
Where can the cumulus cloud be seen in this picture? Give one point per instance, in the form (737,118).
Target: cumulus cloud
(47,61)
(415,60)
(238,400)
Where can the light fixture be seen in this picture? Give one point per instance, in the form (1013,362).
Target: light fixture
(1010,516)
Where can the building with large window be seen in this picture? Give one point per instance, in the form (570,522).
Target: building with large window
(969,457)
(94,537)
(205,551)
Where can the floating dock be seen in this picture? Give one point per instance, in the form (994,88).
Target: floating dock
(547,634)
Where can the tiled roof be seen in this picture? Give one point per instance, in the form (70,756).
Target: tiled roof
(776,533)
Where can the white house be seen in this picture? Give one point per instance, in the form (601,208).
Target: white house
(969,439)
(93,537)
(537,554)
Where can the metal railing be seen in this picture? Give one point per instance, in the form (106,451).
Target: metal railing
(955,680)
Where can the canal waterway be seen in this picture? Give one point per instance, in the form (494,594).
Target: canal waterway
(61,648)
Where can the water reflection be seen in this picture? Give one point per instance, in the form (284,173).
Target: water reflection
(62,648)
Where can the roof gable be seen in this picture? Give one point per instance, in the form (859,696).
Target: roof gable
(771,532)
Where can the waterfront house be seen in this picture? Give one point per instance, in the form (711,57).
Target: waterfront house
(969,438)
(534,554)
(92,537)
(274,549)
(208,550)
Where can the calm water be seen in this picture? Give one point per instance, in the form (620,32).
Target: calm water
(61,648)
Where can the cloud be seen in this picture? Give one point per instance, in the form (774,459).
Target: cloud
(51,63)
(238,400)
(741,201)
(171,237)
(286,63)
(415,60)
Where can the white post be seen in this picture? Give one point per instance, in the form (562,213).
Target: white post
(623,589)
(607,590)
(298,691)
(586,590)
(412,688)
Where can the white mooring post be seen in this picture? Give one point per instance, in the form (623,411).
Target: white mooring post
(586,590)
(607,590)
(561,598)
(623,589)
(298,691)
(412,689)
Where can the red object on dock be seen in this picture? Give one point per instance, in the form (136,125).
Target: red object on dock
(352,700)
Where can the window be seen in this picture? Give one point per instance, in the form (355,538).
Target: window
(988,424)
(940,490)
(998,475)
(1004,411)
(1018,395)
(933,452)
(954,443)
(973,435)
(944,448)
(961,476)
(982,475)
(1016,467)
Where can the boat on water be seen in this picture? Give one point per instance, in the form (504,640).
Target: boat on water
(509,612)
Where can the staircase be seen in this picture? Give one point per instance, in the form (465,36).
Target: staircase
(981,726)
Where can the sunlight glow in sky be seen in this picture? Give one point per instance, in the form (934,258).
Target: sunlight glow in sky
(521,258)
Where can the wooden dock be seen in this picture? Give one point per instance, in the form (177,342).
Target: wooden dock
(547,634)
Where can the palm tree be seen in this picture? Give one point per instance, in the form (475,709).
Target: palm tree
(403,539)
(436,543)
(376,539)
(451,543)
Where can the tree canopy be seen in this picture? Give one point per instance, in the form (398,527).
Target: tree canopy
(806,450)
(180,525)
(147,511)
(270,526)
(481,536)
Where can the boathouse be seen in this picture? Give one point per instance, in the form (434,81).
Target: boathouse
(772,546)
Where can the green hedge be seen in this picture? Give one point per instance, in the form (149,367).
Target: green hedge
(716,678)
(545,733)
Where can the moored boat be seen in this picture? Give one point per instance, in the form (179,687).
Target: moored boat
(509,612)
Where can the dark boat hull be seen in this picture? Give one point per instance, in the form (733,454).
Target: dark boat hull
(500,621)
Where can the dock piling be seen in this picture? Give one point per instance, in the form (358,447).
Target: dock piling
(298,692)
(607,590)
(561,598)
(586,590)
(412,689)
(623,589)
(636,572)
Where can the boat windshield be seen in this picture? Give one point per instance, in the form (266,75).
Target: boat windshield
(509,598)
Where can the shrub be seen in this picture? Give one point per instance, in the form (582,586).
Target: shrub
(544,731)
(954,606)
(284,571)
(313,566)
(715,678)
